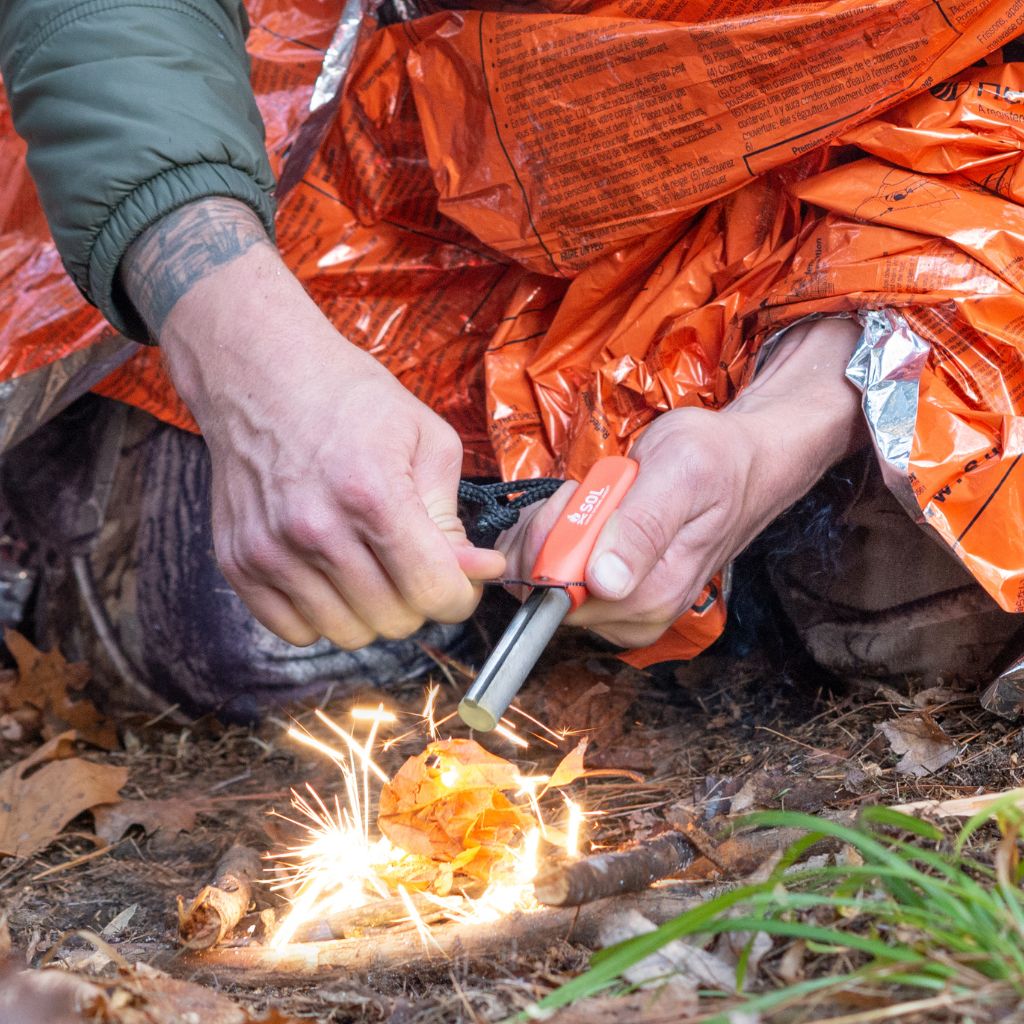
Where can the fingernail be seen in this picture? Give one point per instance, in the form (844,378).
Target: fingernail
(612,574)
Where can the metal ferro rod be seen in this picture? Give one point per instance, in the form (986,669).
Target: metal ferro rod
(512,660)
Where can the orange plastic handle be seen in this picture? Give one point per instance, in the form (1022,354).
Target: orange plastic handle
(566,551)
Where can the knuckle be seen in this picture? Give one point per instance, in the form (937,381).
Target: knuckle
(229,564)
(307,529)
(358,494)
(643,531)
(254,554)
(371,510)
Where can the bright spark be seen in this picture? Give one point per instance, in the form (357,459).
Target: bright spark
(559,735)
(353,745)
(343,863)
(511,736)
(376,715)
(428,710)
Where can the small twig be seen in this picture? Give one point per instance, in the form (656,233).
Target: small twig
(393,950)
(247,774)
(943,1002)
(75,861)
(97,942)
(221,904)
(608,874)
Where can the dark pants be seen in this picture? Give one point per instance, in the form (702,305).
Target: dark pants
(114,509)
(127,500)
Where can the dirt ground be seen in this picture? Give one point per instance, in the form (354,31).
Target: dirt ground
(717,736)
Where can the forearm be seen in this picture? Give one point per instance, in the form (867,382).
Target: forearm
(187,246)
(800,414)
(214,292)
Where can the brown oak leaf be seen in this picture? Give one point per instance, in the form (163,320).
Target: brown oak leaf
(47,682)
(41,793)
(924,747)
(174,815)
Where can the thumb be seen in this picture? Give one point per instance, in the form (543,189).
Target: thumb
(637,535)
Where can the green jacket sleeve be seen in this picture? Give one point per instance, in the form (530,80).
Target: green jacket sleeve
(131,108)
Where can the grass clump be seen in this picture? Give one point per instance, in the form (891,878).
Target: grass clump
(907,915)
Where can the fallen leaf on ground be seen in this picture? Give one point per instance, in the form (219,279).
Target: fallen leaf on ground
(692,966)
(636,1007)
(117,924)
(174,815)
(46,682)
(764,789)
(665,969)
(584,698)
(41,793)
(923,746)
(645,1007)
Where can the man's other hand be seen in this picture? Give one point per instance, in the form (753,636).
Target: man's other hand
(709,482)
(334,488)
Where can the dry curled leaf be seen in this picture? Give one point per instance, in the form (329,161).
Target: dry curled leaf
(923,746)
(448,804)
(47,682)
(41,793)
(173,815)
(570,768)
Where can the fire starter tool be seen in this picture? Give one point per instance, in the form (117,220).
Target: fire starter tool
(559,587)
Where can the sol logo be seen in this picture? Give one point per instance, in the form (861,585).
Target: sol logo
(587,507)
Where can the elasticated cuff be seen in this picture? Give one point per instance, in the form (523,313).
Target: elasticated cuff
(142,208)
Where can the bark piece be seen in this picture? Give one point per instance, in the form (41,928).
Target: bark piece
(140,994)
(606,874)
(220,905)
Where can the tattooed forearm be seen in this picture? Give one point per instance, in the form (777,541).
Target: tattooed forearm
(179,250)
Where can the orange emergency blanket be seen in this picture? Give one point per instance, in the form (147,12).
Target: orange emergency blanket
(556,220)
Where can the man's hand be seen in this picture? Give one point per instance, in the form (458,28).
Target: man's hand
(709,482)
(334,489)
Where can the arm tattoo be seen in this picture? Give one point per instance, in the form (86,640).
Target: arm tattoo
(169,257)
